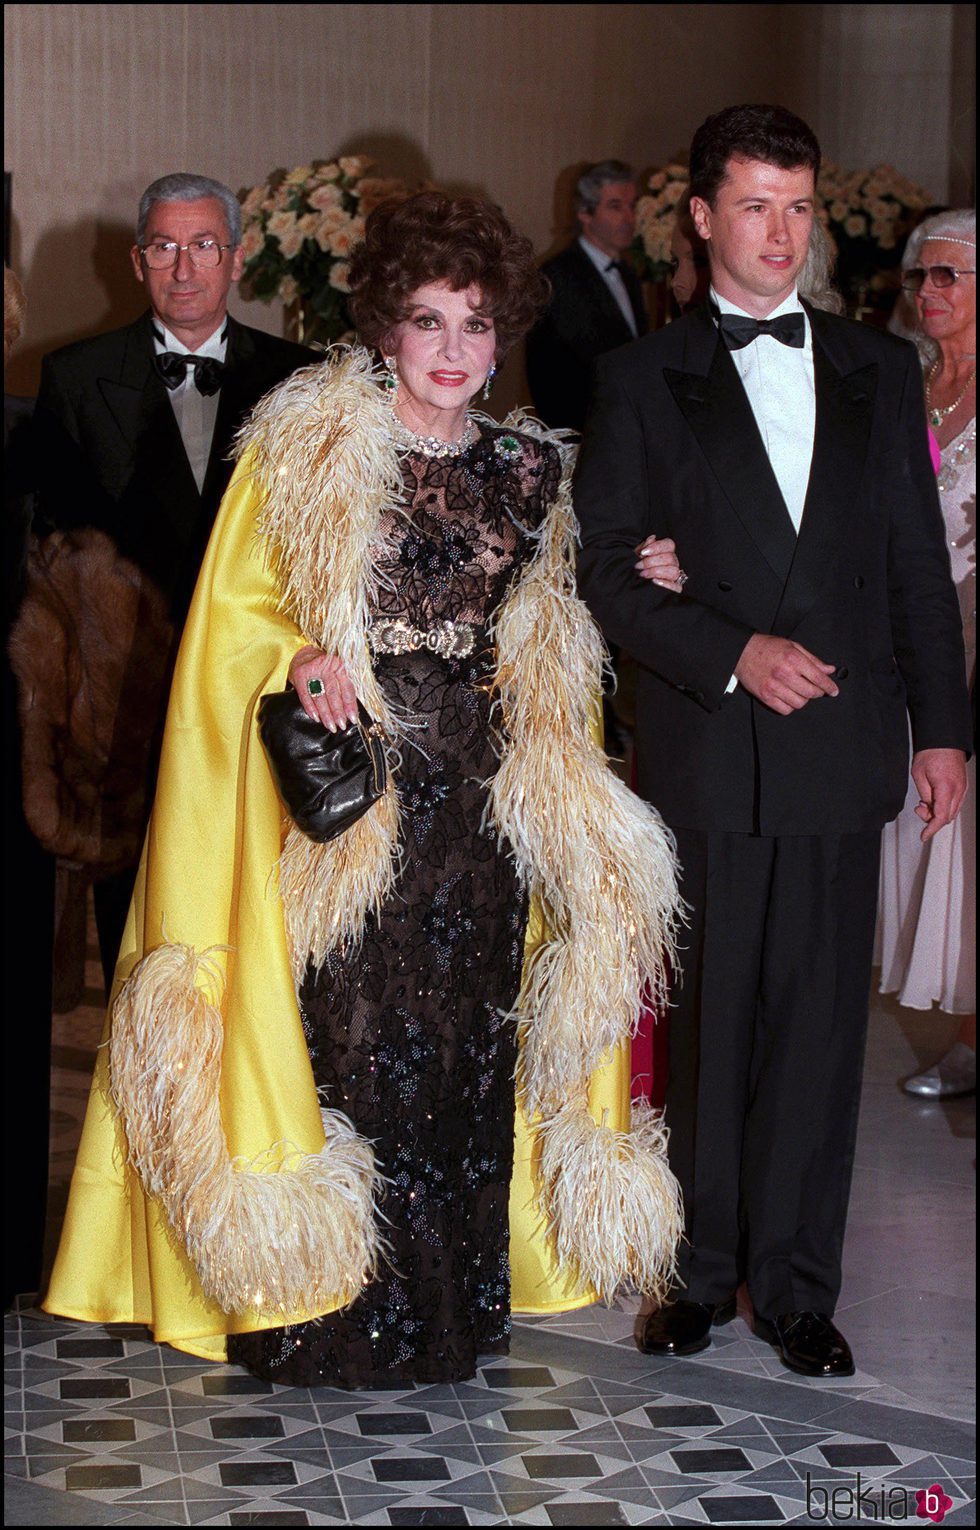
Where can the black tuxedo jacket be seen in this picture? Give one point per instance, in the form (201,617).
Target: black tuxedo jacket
(672,448)
(582,322)
(112,454)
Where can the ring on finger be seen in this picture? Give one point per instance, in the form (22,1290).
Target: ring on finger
(681,578)
(315,686)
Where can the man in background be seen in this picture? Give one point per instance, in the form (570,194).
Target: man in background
(134,430)
(596,298)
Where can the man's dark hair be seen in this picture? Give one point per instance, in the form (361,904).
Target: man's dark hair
(767,133)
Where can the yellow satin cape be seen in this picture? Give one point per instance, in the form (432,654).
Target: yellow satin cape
(206,879)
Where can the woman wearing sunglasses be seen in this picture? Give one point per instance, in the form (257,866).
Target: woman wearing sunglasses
(928,891)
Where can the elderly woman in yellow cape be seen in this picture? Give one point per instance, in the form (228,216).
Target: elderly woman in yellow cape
(217,1196)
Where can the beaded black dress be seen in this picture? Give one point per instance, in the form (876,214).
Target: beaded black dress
(407,1034)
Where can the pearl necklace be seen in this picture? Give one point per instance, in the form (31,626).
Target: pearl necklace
(432,446)
(936,415)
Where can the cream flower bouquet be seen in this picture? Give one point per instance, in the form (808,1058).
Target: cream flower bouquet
(298,230)
(869,214)
(656,208)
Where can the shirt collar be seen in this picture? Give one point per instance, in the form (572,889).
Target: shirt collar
(215,345)
(598,257)
(791,304)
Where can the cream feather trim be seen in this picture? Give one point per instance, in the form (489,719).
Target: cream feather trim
(603,865)
(615,1207)
(328,468)
(298,1238)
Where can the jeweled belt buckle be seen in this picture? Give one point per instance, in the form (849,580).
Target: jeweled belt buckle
(450,640)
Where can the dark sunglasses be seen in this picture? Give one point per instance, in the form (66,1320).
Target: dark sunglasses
(940,276)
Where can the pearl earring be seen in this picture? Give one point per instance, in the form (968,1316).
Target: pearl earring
(488,384)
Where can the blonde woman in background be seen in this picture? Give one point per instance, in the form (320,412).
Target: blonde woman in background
(927,913)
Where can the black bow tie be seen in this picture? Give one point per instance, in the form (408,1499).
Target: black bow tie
(617,265)
(738,329)
(172,367)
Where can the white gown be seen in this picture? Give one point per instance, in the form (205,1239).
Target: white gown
(927,903)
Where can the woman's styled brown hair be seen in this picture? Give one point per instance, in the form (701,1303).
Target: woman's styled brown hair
(432,237)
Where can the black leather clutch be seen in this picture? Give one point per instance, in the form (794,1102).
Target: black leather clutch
(327,781)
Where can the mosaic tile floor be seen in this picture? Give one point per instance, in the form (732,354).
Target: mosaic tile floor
(576,1427)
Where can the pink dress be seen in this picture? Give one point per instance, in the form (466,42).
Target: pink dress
(927,905)
(935,454)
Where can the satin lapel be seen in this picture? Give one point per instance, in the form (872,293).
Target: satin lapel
(235,398)
(717,409)
(132,393)
(845,407)
(140,406)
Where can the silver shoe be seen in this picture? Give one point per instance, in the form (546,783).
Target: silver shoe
(955,1074)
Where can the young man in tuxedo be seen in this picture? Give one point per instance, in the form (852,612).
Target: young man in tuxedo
(596,299)
(134,427)
(784,450)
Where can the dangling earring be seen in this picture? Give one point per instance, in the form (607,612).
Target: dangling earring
(391,381)
(488,384)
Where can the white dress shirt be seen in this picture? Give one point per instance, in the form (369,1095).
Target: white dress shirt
(606,268)
(194,412)
(778,381)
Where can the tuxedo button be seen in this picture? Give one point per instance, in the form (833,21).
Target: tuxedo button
(840,673)
(697,696)
(724,586)
(858,582)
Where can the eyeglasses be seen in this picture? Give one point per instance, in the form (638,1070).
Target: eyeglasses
(940,276)
(166,253)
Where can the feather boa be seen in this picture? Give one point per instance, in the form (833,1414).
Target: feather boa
(600,860)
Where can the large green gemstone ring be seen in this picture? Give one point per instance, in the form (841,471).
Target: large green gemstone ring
(315,687)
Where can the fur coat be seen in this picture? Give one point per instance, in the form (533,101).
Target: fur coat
(91,652)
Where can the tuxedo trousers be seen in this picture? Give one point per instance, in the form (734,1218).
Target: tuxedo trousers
(766,1045)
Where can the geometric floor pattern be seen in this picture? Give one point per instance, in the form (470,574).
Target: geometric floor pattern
(575,1426)
(567,1430)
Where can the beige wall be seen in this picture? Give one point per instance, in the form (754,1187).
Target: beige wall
(889,83)
(101,99)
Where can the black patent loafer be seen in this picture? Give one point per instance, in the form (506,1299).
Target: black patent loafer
(808,1343)
(683,1328)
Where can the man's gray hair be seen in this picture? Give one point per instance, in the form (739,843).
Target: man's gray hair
(588,187)
(958,225)
(191,188)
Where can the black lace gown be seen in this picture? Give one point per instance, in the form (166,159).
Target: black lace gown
(407,1034)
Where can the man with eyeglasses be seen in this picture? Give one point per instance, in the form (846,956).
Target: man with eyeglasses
(135,426)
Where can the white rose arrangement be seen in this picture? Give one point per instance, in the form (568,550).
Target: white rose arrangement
(656,209)
(869,215)
(298,230)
